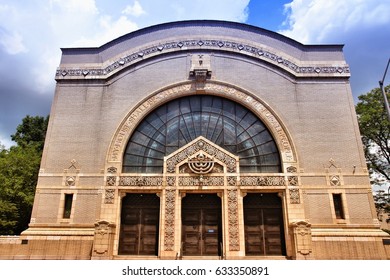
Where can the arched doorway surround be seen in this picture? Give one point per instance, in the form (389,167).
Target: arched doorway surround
(172,183)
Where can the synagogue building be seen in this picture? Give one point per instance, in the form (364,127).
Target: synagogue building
(202,140)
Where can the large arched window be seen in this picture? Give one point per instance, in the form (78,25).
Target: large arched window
(222,121)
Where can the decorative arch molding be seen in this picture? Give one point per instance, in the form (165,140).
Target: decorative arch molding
(258,107)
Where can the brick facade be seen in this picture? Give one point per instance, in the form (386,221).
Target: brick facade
(300,92)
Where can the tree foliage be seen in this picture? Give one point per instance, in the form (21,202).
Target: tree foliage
(19,167)
(375,129)
(31,131)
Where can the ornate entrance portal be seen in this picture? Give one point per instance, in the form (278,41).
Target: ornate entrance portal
(263,220)
(139,224)
(201,225)
(202,153)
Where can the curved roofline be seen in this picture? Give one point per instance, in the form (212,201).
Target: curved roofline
(232,24)
(202,35)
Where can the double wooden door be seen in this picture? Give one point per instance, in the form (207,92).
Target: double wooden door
(263,223)
(139,225)
(201,225)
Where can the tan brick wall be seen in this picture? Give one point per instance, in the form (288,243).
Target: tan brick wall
(87,207)
(317,208)
(359,208)
(349,248)
(47,206)
(57,248)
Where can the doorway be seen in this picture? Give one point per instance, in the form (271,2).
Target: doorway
(201,225)
(139,225)
(263,224)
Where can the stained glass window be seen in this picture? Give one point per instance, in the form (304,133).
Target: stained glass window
(222,121)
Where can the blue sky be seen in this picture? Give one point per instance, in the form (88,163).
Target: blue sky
(32,33)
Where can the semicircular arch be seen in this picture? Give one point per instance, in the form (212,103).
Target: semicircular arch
(253,104)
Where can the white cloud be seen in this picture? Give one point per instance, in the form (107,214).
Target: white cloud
(85,6)
(12,43)
(108,29)
(363,26)
(135,10)
(314,21)
(42,27)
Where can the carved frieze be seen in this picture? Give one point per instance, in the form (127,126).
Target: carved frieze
(169,232)
(141,181)
(262,181)
(201,181)
(243,48)
(234,235)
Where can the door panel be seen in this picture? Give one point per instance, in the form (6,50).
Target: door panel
(148,231)
(263,224)
(139,225)
(201,225)
(191,228)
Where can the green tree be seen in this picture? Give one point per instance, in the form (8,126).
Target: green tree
(375,129)
(19,167)
(31,131)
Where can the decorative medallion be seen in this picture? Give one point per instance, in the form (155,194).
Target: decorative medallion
(335,180)
(70,181)
(291,169)
(293,180)
(111,180)
(112,170)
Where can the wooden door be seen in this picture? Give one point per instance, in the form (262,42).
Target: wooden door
(263,224)
(201,225)
(139,225)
